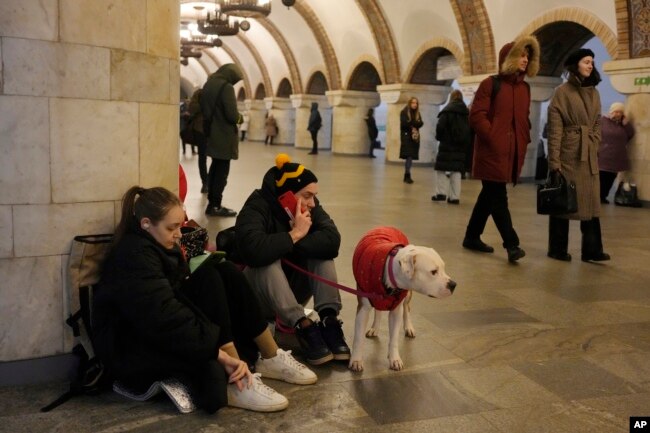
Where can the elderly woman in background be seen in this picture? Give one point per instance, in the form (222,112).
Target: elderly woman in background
(617,131)
(573,141)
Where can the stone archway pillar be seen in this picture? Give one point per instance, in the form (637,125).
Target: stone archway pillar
(302,104)
(284,116)
(256,112)
(396,97)
(632,78)
(349,131)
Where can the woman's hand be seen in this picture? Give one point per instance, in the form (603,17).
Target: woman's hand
(237,370)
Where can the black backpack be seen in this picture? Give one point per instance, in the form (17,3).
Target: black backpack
(84,265)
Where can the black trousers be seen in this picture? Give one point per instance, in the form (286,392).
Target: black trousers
(314,141)
(492,200)
(558,236)
(218,178)
(201,143)
(606,181)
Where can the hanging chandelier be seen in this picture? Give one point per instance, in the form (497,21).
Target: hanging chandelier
(218,24)
(245,8)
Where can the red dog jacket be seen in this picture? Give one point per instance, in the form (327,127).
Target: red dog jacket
(368,263)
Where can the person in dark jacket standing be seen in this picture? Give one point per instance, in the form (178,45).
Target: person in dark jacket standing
(266,234)
(373,132)
(314,125)
(617,132)
(573,141)
(410,122)
(152,319)
(219,107)
(502,130)
(454,135)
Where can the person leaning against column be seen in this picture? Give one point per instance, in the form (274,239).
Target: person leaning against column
(617,132)
(502,129)
(573,140)
(410,122)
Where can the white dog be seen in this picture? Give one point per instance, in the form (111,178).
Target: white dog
(387,267)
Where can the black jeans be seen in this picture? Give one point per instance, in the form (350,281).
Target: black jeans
(218,178)
(606,181)
(201,143)
(314,141)
(492,200)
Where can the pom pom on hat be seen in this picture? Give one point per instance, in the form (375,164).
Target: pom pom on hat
(577,55)
(291,176)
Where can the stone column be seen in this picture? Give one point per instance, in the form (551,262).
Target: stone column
(632,78)
(396,96)
(257,112)
(349,130)
(84,115)
(302,104)
(284,116)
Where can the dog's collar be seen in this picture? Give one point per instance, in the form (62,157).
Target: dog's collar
(391,276)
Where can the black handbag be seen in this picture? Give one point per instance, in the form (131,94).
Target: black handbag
(557,196)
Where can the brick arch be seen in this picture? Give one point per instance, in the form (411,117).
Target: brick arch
(313,76)
(258,59)
(285,89)
(260,92)
(445,43)
(578,16)
(364,59)
(333,72)
(623,28)
(476,32)
(235,59)
(286,53)
(241,95)
(384,39)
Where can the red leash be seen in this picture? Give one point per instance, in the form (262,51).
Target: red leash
(331,283)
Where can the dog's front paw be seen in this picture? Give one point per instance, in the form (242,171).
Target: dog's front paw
(396,363)
(356,365)
(372,333)
(409,332)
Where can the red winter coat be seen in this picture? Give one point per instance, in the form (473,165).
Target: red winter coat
(501,125)
(368,263)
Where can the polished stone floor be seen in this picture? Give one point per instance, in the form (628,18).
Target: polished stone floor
(537,346)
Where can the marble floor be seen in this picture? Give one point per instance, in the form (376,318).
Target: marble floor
(536,346)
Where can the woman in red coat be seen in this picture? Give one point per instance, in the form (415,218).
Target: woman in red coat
(500,121)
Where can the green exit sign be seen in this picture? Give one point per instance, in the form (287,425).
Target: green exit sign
(642,81)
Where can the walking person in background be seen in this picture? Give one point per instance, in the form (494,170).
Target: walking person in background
(574,133)
(196,123)
(373,132)
(221,117)
(315,123)
(410,123)
(454,135)
(243,128)
(271,129)
(617,132)
(500,120)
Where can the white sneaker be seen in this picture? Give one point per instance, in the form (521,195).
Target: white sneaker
(284,367)
(259,397)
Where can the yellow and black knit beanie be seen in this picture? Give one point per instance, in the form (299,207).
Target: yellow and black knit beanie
(291,176)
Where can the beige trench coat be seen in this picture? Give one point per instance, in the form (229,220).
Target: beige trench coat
(573,141)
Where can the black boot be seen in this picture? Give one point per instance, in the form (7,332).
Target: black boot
(592,243)
(407,178)
(558,238)
(314,348)
(330,329)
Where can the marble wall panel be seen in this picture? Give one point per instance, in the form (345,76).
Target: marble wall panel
(162,28)
(25,150)
(51,69)
(174,82)
(34,287)
(42,15)
(159,146)
(94,149)
(6,232)
(114,24)
(41,230)
(139,77)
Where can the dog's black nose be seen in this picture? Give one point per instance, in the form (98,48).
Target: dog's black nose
(451,285)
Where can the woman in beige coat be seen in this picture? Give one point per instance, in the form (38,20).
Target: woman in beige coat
(573,141)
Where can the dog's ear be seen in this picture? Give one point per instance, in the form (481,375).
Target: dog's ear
(407,264)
